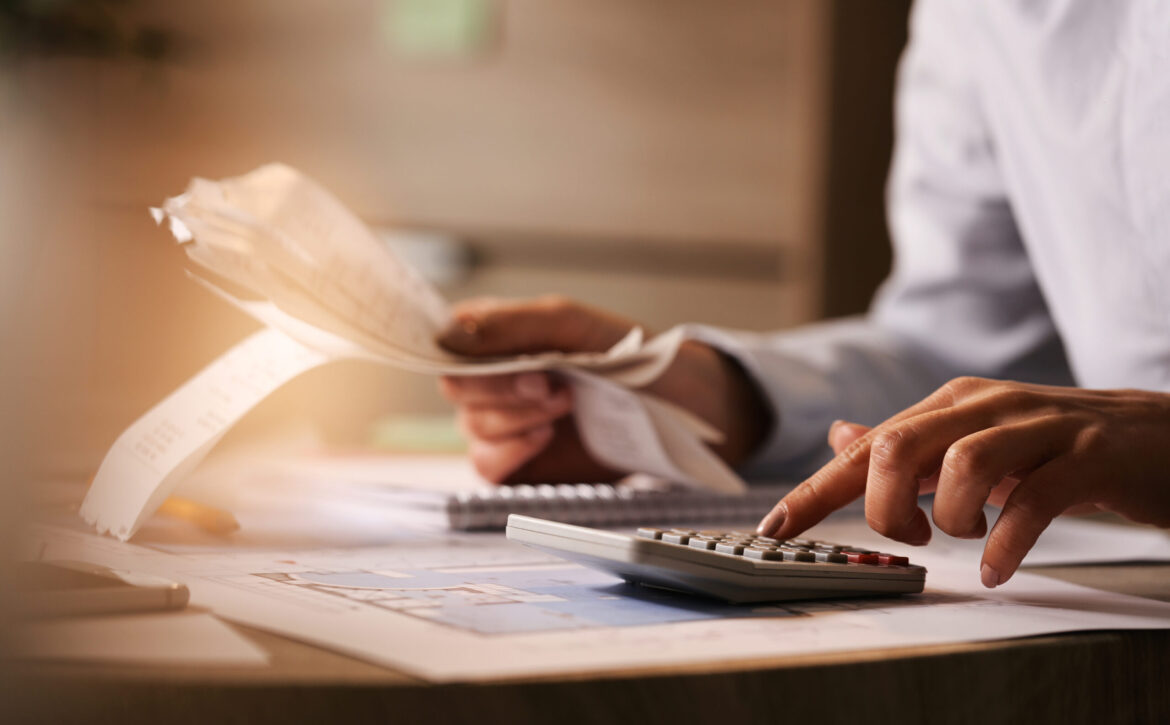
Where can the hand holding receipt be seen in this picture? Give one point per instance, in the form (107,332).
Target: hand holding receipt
(329,290)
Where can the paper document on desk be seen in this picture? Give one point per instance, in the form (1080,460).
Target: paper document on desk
(450,607)
(286,252)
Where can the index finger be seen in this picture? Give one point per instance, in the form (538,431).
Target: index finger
(837,484)
(840,481)
(490,327)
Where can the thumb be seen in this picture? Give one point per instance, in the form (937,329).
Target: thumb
(485,327)
(843,433)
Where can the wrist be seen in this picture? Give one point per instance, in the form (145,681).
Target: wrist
(750,417)
(715,387)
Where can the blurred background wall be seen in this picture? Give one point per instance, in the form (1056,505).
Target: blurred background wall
(674,160)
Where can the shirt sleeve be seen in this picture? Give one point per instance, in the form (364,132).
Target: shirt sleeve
(961,299)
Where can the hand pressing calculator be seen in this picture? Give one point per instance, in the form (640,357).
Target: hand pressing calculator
(730,565)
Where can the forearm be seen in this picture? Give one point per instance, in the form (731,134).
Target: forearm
(811,376)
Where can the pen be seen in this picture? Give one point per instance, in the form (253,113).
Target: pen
(212,520)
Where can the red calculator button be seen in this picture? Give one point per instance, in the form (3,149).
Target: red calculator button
(857,557)
(891,560)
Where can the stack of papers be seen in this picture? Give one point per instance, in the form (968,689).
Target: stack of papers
(467,607)
(453,606)
(283,250)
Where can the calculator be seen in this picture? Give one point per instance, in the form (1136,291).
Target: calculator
(734,566)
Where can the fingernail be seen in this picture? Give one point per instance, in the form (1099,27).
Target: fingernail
(773,521)
(836,424)
(989,576)
(532,386)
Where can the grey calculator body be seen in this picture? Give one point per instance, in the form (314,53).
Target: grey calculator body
(729,576)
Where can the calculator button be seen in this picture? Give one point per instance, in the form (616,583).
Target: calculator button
(831,557)
(891,560)
(702,542)
(798,555)
(673,537)
(729,548)
(768,540)
(753,552)
(649,533)
(859,557)
(801,542)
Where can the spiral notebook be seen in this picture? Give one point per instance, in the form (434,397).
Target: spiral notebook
(587,504)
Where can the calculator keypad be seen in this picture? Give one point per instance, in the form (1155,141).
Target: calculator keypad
(764,548)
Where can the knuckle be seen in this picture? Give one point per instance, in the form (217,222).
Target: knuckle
(965,459)
(894,445)
(856,453)
(1011,397)
(1092,440)
(962,386)
(810,497)
(571,324)
(810,491)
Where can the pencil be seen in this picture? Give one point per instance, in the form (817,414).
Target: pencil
(212,520)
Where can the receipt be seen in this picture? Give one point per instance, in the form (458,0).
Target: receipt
(305,248)
(155,453)
(286,252)
(632,431)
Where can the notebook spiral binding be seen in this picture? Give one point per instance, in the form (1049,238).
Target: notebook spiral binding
(595,504)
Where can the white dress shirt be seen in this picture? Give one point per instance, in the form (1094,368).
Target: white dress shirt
(1029,203)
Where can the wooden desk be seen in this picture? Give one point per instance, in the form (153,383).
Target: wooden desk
(1097,676)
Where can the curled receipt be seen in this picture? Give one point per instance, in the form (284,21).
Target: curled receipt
(286,252)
